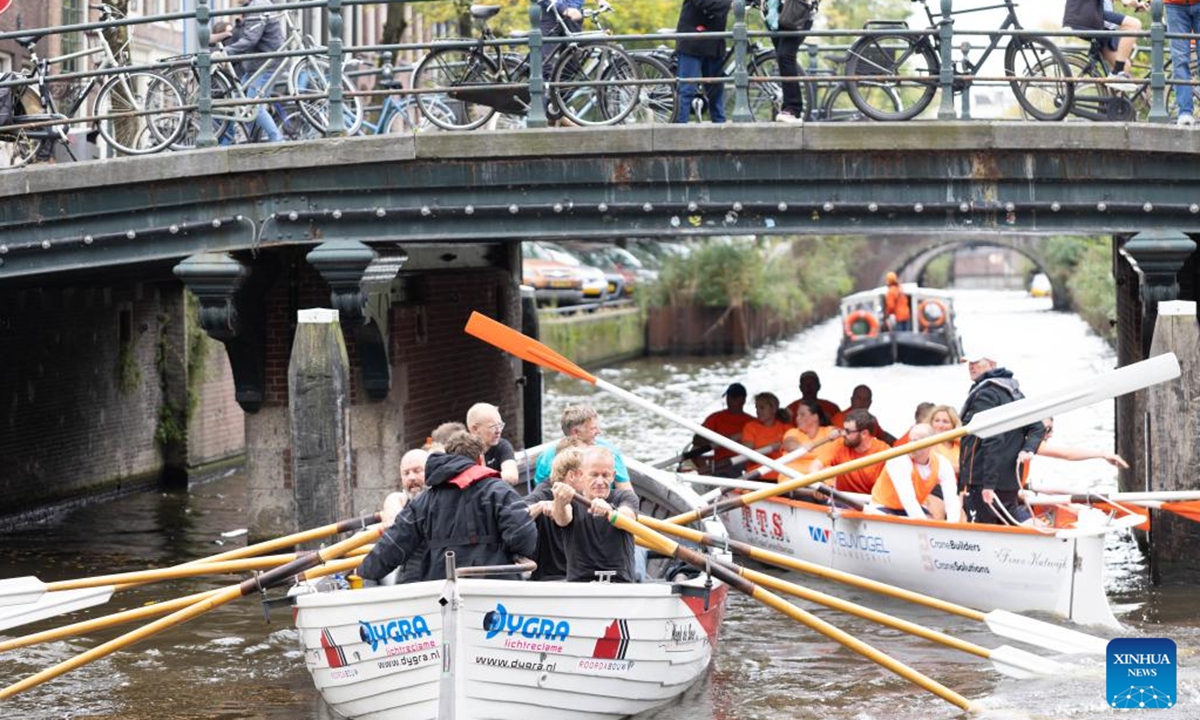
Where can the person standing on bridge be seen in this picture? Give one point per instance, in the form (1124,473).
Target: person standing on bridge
(792,110)
(1183,16)
(988,466)
(559,19)
(702,57)
(255,33)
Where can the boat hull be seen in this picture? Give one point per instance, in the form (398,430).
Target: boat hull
(981,566)
(518,650)
(910,348)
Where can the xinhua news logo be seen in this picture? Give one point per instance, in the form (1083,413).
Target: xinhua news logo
(1141,673)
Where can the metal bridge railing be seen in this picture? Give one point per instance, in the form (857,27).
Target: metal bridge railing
(949,41)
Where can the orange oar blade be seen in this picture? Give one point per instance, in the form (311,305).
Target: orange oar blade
(523,346)
(1129,508)
(1189,509)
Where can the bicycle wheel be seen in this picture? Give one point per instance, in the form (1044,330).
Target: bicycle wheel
(149,109)
(602,103)
(311,76)
(839,107)
(900,66)
(458,74)
(188,82)
(18,149)
(1045,93)
(766,96)
(657,101)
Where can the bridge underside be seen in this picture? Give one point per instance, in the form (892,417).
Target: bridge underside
(966,179)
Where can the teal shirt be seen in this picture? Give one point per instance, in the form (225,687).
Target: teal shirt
(546,461)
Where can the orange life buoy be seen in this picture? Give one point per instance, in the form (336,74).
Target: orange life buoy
(931,313)
(854,330)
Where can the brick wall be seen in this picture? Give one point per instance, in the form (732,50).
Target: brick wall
(217,429)
(77,412)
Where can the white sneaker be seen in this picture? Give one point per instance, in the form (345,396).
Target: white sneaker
(1185,120)
(1115,83)
(786,117)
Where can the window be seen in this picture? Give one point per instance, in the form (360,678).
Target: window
(72,14)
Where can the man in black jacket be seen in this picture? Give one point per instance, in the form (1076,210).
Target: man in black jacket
(988,466)
(702,57)
(466,509)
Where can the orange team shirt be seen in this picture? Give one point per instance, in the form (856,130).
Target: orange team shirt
(756,435)
(728,423)
(896,303)
(804,463)
(826,406)
(950,453)
(863,479)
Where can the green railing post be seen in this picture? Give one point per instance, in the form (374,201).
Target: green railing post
(946,51)
(337,125)
(204,137)
(537,84)
(741,78)
(1158,78)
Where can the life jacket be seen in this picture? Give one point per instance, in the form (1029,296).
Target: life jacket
(884,492)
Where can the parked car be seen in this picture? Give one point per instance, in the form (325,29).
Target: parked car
(553,281)
(618,260)
(598,285)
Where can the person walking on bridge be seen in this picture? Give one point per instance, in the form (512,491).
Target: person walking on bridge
(259,32)
(701,56)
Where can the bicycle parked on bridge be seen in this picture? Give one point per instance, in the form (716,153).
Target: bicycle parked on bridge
(591,81)
(894,73)
(1100,101)
(300,85)
(135,112)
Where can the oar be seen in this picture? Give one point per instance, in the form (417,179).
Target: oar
(670,548)
(1000,622)
(1008,660)
(794,454)
(271,578)
(159,608)
(531,350)
(26,590)
(688,454)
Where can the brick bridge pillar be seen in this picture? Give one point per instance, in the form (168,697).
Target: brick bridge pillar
(411,365)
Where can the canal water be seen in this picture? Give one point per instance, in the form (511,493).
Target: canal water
(230,664)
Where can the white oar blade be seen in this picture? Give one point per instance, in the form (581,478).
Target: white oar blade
(1023,665)
(1123,522)
(52,604)
(1044,634)
(1130,378)
(20,591)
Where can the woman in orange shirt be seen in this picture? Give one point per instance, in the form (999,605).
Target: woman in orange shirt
(808,431)
(945,418)
(767,429)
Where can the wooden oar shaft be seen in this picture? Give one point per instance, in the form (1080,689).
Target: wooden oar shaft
(794,454)
(791,563)
(866,613)
(141,577)
(743,585)
(86,626)
(799,481)
(221,597)
(337,528)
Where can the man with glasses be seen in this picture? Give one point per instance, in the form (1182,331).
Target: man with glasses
(483,421)
(858,441)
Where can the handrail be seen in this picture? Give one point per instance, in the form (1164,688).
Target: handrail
(946,37)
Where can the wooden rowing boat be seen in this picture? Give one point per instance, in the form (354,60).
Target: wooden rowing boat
(989,567)
(476,648)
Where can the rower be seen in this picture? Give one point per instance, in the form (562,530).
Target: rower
(920,484)
(728,422)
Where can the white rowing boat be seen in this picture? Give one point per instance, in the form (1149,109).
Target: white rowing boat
(515,650)
(989,567)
